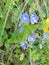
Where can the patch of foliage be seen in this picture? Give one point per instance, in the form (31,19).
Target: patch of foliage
(24,32)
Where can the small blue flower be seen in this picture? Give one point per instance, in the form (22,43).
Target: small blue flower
(24,45)
(45,35)
(43,40)
(24,18)
(34,35)
(34,18)
(32,39)
(20,28)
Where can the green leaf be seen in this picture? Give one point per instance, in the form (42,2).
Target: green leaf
(1,63)
(22,57)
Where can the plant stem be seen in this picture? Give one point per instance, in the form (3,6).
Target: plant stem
(39,9)
(4,24)
(46,7)
(30,57)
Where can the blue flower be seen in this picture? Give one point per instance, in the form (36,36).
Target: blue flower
(43,41)
(24,18)
(34,18)
(45,36)
(20,28)
(24,45)
(31,39)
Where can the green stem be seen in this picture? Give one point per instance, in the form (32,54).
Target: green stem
(46,7)
(39,8)
(30,57)
(10,56)
(4,24)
